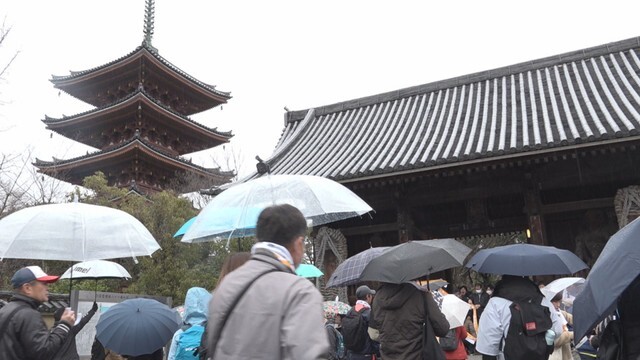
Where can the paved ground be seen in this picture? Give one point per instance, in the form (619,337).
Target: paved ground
(475,357)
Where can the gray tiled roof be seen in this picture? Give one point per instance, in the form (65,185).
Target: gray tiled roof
(583,97)
(144,47)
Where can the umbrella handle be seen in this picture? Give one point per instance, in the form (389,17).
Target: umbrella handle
(475,318)
(70,284)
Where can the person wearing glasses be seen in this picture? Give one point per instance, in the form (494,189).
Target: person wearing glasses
(23,333)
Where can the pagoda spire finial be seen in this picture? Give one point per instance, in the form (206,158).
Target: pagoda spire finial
(149,18)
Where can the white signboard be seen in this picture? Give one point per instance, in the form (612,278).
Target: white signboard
(82,301)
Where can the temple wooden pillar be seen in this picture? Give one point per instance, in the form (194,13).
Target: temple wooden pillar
(533,210)
(404,218)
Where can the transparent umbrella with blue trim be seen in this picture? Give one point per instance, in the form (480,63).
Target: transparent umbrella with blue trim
(234,212)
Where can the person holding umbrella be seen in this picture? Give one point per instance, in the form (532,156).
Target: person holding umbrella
(263,309)
(496,328)
(23,333)
(69,351)
(399,314)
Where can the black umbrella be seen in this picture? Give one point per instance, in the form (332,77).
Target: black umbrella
(617,266)
(525,260)
(415,259)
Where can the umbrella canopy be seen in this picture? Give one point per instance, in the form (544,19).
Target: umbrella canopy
(349,271)
(330,308)
(308,271)
(183,229)
(96,269)
(525,260)
(137,326)
(559,285)
(454,309)
(73,232)
(415,259)
(235,211)
(614,270)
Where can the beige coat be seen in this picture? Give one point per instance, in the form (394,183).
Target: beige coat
(278,318)
(562,345)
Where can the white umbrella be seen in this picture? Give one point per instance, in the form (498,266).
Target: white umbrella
(455,310)
(96,269)
(559,285)
(73,232)
(235,211)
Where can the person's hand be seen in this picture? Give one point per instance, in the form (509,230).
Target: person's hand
(69,316)
(95,306)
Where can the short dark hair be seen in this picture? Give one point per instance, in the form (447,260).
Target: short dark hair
(280,224)
(557,297)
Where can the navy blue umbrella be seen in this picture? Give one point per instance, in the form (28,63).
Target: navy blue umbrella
(525,260)
(137,326)
(614,270)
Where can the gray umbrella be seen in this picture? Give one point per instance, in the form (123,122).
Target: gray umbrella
(349,271)
(525,260)
(415,259)
(617,266)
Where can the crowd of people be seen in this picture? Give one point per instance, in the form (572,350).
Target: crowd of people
(260,309)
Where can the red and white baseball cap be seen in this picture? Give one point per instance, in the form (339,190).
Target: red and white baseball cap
(29,274)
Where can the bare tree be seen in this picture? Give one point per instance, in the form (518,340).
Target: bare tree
(22,186)
(4,67)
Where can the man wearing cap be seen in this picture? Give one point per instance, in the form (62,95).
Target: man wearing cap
(370,349)
(23,333)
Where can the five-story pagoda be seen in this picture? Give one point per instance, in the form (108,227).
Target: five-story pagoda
(140,122)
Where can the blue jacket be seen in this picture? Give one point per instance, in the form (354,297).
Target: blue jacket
(196,311)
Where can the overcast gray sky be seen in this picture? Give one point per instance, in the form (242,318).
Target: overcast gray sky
(272,54)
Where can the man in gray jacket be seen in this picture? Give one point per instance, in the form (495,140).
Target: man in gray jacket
(263,310)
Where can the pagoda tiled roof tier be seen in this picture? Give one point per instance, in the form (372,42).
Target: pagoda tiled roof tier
(123,158)
(93,127)
(579,99)
(102,85)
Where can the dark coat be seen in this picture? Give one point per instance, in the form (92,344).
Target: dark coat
(69,350)
(398,314)
(27,336)
(630,317)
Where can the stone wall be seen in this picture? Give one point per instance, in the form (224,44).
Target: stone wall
(330,250)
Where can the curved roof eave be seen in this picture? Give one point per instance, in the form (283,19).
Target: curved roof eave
(132,144)
(221,135)
(75,75)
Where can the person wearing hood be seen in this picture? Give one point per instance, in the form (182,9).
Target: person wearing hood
(399,312)
(196,309)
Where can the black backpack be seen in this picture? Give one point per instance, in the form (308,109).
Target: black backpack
(611,342)
(355,330)
(526,336)
(530,320)
(449,342)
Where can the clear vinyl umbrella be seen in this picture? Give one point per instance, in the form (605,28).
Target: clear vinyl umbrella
(73,232)
(234,212)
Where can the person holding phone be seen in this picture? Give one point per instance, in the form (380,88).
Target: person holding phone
(23,333)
